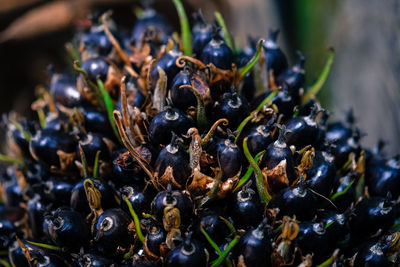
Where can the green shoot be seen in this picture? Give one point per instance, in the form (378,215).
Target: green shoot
(109,107)
(42,245)
(185,28)
(135,219)
(248,173)
(264,195)
(316,87)
(243,71)
(224,29)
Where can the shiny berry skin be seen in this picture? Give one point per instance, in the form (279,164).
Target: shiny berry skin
(168,64)
(233,107)
(217,53)
(7,234)
(45,144)
(190,253)
(90,144)
(166,122)
(321,176)
(113,233)
(297,200)
(93,260)
(260,137)
(211,222)
(36,211)
(293,77)
(383,177)
(279,153)
(126,170)
(154,21)
(175,160)
(154,238)
(246,208)
(67,228)
(16,255)
(345,200)
(311,236)
(176,199)
(274,57)
(254,247)
(182,98)
(79,201)
(97,121)
(229,157)
(372,214)
(201,33)
(139,199)
(97,41)
(302,131)
(59,191)
(373,254)
(63,89)
(96,67)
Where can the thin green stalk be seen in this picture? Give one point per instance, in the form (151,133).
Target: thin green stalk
(224,29)
(4,262)
(222,257)
(329,261)
(185,28)
(135,219)
(316,87)
(251,116)
(42,245)
(264,195)
(243,71)
(96,165)
(109,107)
(8,159)
(267,100)
(341,193)
(213,244)
(19,127)
(42,118)
(228,224)
(329,224)
(248,173)
(89,83)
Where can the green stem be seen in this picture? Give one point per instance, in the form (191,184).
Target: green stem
(316,87)
(185,28)
(251,116)
(96,165)
(213,244)
(8,159)
(341,193)
(243,71)
(135,219)
(89,83)
(248,173)
(224,29)
(4,262)
(42,245)
(42,118)
(228,224)
(19,127)
(222,257)
(109,107)
(264,195)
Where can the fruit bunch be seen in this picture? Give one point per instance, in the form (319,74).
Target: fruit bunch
(167,149)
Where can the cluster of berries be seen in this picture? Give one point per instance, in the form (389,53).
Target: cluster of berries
(162,149)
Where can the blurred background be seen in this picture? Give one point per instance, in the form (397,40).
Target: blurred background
(364,33)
